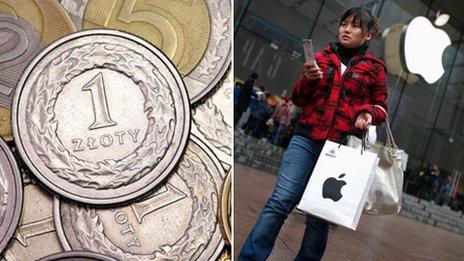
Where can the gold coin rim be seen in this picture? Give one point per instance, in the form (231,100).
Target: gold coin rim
(225,218)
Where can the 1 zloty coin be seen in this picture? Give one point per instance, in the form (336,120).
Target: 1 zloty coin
(11,194)
(35,236)
(178,221)
(213,121)
(101,117)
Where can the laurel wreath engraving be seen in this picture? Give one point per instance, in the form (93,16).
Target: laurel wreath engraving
(158,106)
(203,223)
(210,120)
(220,41)
(211,124)
(3,194)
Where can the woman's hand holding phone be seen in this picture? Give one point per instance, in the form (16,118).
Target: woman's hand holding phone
(311,70)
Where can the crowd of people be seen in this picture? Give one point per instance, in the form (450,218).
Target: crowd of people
(262,114)
(435,185)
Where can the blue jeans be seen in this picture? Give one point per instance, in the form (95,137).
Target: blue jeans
(277,132)
(297,165)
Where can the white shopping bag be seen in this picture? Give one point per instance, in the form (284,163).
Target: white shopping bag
(339,184)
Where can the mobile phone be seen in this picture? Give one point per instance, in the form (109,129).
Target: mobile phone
(309,51)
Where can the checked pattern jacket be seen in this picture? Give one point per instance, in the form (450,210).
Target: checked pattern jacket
(331,105)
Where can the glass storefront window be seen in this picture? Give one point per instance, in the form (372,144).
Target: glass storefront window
(423,121)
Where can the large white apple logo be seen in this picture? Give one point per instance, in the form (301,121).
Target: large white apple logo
(423,49)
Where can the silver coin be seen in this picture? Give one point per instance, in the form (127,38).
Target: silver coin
(101,116)
(213,121)
(19,43)
(35,236)
(178,221)
(77,256)
(216,59)
(10,195)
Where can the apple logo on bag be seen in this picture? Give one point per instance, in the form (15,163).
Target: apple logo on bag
(332,188)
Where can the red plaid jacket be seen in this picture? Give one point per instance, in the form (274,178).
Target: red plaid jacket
(331,105)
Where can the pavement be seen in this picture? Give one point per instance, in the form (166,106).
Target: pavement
(390,237)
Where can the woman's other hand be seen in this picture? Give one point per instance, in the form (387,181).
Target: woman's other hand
(363,121)
(312,72)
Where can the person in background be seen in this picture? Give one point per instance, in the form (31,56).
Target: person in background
(260,115)
(282,117)
(244,97)
(339,96)
(442,186)
(434,175)
(248,119)
(287,132)
(424,186)
(237,88)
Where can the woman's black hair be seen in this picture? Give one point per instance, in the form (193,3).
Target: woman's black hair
(368,22)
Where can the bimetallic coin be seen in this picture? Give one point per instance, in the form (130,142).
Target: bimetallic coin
(47,17)
(10,195)
(178,221)
(225,207)
(19,44)
(35,236)
(25,28)
(77,256)
(216,59)
(181,29)
(213,121)
(195,34)
(101,117)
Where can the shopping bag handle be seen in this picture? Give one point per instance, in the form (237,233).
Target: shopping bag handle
(390,140)
(391,144)
(364,143)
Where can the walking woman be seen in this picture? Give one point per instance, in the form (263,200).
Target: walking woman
(337,98)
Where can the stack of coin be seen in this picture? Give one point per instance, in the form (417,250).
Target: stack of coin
(120,134)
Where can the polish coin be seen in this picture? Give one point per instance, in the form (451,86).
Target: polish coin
(26,27)
(35,236)
(178,221)
(77,256)
(181,29)
(213,121)
(10,195)
(194,34)
(216,59)
(101,117)
(20,43)
(225,207)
